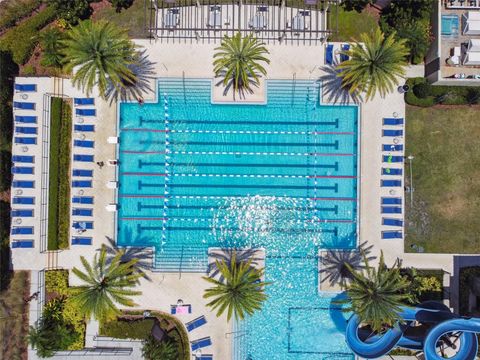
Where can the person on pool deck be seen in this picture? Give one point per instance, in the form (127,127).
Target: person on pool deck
(100,164)
(140,101)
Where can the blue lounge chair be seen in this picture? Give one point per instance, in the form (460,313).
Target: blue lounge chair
(22,230)
(204,357)
(21,213)
(81,183)
(23,159)
(390,171)
(84,128)
(391,183)
(392,235)
(82,172)
(392,222)
(392,147)
(391,210)
(26,119)
(343,57)
(26,184)
(82,212)
(393,159)
(201,343)
(24,105)
(22,170)
(19,244)
(82,200)
(25,140)
(83,157)
(85,112)
(195,323)
(84,143)
(329,54)
(173,309)
(82,225)
(24,200)
(81,241)
(84,101)
(26,130)
(392,121)
(391,201)
(26,87)
(387,132)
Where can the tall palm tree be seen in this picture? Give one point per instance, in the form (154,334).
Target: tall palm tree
(374,64)
(376,295)
(238,60)
(106,285)
(50,41)
(153,349)
(240,293)
(101,54)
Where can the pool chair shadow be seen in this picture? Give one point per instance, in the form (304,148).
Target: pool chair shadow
(332,89)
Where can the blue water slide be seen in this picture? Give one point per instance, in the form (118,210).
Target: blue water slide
(468,339)
(374,346)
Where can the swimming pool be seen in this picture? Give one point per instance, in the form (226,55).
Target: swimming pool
(450,25)
(280,176)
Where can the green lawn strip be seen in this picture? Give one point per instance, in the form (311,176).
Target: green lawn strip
(131,19)
(14,316)
(141,328)
(350,24)
(445,216)
(59,174)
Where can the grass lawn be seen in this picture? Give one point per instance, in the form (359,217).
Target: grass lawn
(351,24)
(445,216)
(14,317)
(132,19)
(59,174)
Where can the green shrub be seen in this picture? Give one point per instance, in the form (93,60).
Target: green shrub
(12,11)
(8,71)
(29,70)
(127,329)
(422,90)
(72,10)
(22,39)
(56,281)
(153,349)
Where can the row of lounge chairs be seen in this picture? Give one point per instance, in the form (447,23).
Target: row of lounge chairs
(82,172)
(392,176)
(23,169)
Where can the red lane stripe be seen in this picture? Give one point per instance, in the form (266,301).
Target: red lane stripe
(331,176)
(142,196)
(143,174)
(333,198)
(333,133)
(142,152)
(143,218)
(145,130)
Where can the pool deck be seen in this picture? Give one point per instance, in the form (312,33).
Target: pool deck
(196,62)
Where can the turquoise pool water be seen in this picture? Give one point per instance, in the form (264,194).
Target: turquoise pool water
(280,176)
(450,25)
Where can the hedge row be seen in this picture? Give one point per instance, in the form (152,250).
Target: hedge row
(425,95)
(13,11)
(21,40)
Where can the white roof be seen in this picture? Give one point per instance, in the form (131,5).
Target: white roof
(472,27)
(472,58)
(472,15)
(474,45)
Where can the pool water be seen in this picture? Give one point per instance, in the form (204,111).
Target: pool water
(281,177)
(450,25)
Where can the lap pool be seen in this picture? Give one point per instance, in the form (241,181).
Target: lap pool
(280,176)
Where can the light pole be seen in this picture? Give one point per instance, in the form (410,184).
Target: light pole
(410,158)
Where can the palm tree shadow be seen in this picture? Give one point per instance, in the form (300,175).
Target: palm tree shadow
(226,255)
(335,264)
(143,255)
(144,71)
(242,90)
(332,88)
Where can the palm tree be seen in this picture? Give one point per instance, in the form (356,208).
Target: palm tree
(101,54)
(153,349)
(241,292)
(238,60)
(50,41)
(106,285)
(228,255)
(374,64)
(376,295)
